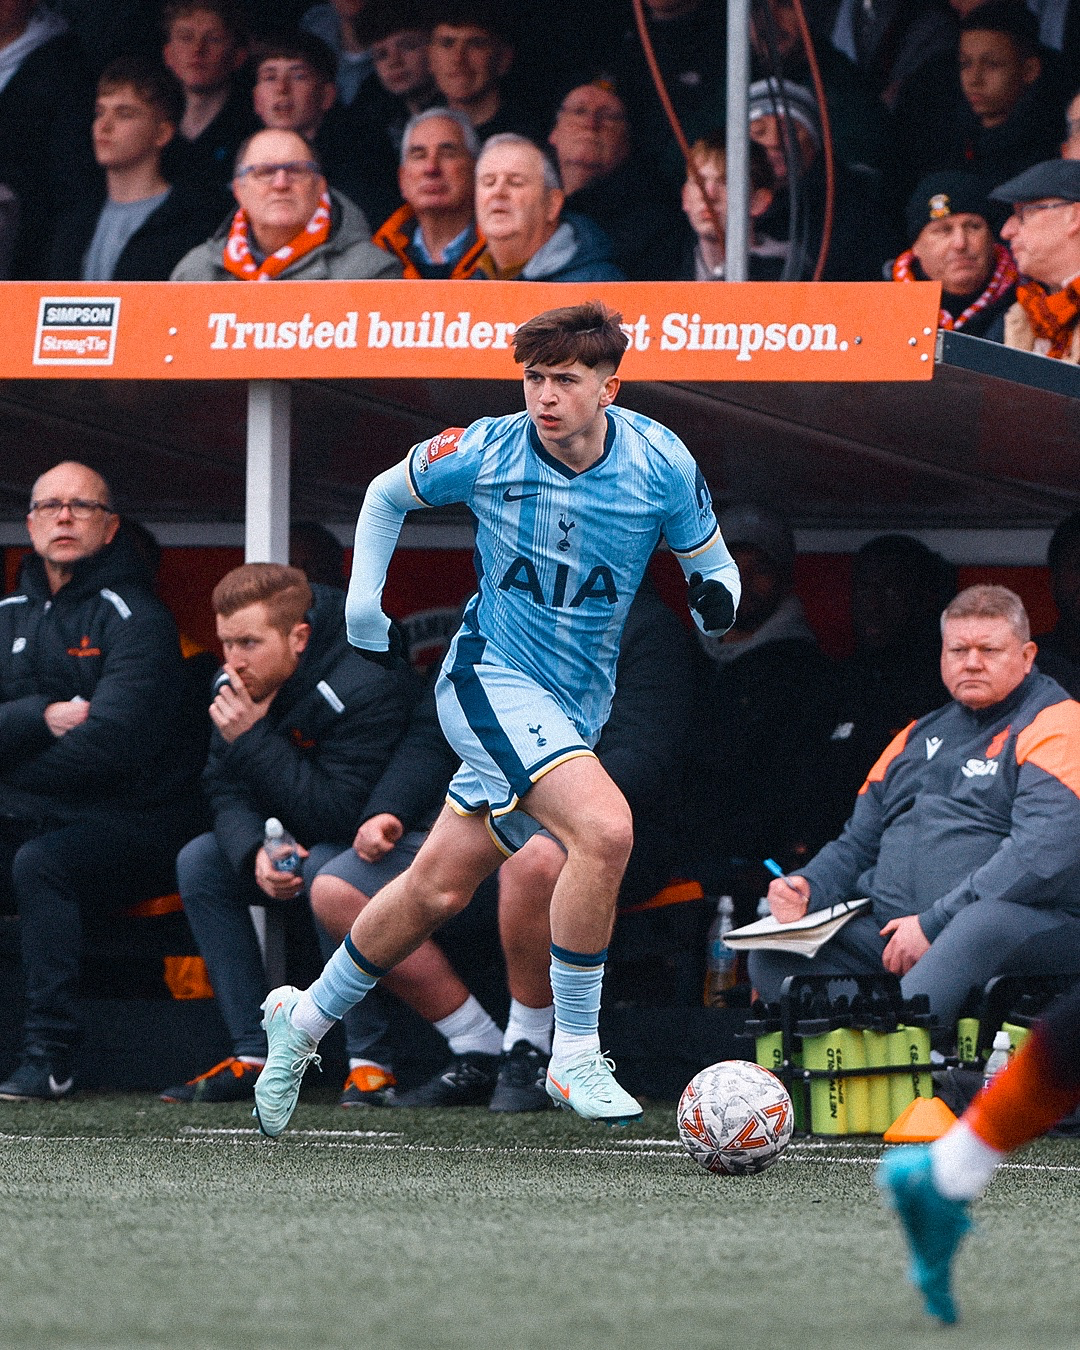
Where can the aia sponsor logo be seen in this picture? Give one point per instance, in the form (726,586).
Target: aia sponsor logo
(76,331)
(84,649)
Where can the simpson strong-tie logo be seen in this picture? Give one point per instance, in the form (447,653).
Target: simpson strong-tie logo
(76,330)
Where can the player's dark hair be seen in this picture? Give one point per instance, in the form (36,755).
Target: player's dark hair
(589,333)
(151,81)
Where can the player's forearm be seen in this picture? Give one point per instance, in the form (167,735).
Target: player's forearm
(714,563)
(386,503)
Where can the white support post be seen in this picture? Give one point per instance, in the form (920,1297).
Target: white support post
(266,518)
(266,539)
(737,243)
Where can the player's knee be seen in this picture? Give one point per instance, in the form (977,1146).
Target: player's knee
(444,901)
(608,836)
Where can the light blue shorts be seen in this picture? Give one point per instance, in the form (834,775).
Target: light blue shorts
(509,732)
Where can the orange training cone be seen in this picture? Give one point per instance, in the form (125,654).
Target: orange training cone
(921,1122)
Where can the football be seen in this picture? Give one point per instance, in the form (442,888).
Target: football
(735,1118)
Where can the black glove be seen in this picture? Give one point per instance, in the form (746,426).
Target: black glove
(713,602)
(394,657)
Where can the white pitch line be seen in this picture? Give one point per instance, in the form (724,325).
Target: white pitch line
(380,1141)
(328,1134)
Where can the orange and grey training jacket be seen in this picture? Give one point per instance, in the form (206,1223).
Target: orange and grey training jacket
(965,806)
(395,236)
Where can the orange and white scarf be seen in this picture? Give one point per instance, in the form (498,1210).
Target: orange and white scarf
(1053,317)
(238,257)
(1005,275)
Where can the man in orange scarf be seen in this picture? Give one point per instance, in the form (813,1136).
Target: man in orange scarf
(1044,235)
(288,223)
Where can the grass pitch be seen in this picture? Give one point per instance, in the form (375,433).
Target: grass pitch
(128,1223)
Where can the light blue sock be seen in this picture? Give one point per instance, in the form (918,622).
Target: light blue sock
(345,979)
(576,978)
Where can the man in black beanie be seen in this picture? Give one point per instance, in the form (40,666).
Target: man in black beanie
(952,241)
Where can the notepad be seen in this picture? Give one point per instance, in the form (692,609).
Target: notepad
(806,935)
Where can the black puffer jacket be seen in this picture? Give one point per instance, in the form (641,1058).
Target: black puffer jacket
(315,756)
(105,637)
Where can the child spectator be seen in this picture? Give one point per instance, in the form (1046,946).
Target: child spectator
(135,226)
(997,113)
(705,259)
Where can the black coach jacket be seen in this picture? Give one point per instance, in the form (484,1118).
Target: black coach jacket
(107,638)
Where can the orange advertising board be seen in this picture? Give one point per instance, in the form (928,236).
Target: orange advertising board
(459,329)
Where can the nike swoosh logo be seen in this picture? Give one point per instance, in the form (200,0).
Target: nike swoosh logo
(277,1008)
(509,496)
(58,1089)
(564,1091)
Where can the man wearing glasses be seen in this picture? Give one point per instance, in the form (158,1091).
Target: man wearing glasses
(1044,235)
(288,223)
(606,177)
(97,793)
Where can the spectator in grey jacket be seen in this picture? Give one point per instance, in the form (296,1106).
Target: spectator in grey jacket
(519,211)
(288,224)
(965,835)
(303,727)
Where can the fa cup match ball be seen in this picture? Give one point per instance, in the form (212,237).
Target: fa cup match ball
(735,1118)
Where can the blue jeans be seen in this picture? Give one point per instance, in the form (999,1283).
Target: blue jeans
(216,899)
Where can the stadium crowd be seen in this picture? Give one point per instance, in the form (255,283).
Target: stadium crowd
(217,139)
(208,140)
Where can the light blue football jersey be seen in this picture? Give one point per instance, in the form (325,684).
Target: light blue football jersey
(560,554)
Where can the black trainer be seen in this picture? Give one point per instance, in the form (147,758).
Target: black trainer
(39,1077)
(468,1080)
(233,1080)
(520,1086)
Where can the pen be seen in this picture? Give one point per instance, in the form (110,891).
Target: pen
(771,865)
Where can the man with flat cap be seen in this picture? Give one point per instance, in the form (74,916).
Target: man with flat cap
(952,241)
(1044,235)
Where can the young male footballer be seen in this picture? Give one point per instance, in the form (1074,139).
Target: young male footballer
(570,497)
(931,1185)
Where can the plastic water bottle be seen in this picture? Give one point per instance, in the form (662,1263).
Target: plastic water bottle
(720,960)
(281,847)
(999,1057)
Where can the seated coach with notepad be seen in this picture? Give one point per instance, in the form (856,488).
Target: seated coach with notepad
(965,835)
